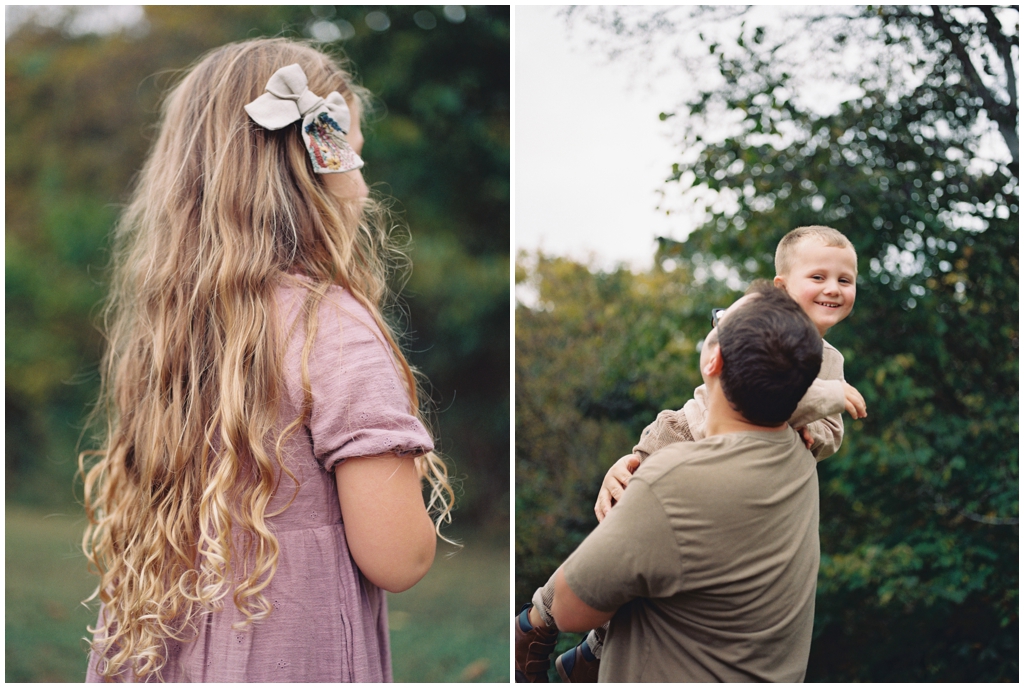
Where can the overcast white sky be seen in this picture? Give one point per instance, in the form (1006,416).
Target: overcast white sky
(590,150)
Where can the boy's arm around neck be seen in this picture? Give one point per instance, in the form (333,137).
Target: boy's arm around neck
(824,398)
(821,408)
(820,411)
(669,427)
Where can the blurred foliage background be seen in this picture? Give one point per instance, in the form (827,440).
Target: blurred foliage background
(83,93)
(919,168)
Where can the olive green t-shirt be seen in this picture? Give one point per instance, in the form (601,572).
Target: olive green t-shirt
(711,559)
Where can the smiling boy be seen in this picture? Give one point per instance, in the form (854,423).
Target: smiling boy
(817,267)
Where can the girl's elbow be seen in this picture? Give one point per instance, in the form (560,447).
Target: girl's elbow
(400,581)
(403,572)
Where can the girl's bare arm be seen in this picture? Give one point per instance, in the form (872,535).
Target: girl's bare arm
(390,534)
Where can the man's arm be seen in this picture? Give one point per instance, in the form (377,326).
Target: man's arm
(632,553)
(570,612)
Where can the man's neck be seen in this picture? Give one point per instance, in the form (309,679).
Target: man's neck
(723,419)
(725,426)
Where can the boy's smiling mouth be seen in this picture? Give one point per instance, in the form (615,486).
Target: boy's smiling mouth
(828,305)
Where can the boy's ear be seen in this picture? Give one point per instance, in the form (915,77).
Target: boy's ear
(779,282)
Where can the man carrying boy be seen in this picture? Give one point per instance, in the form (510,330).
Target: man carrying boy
(709,562)
(817,267)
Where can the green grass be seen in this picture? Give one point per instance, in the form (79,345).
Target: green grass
(44,584)
(452,626)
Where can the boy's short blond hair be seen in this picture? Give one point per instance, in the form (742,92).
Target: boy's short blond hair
(826,235)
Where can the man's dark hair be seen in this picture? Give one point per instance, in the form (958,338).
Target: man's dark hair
(771,353)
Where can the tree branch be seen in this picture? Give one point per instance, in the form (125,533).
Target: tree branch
(1005,49)
(941,503)
(1005,119)
(974,82)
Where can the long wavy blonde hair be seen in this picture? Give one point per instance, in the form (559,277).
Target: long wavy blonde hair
(191,448)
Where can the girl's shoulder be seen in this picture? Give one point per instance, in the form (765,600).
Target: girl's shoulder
(338,308)
(347,339)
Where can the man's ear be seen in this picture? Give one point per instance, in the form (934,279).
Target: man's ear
(779,282)
(713,365)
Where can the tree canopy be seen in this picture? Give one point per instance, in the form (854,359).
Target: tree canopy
(919,509)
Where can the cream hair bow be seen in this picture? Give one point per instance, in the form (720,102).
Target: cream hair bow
(325,121)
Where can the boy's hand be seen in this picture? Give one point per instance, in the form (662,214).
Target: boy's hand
(855,405)
(615,481)
(805,435)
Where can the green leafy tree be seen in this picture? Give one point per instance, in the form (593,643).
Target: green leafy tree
(919,509)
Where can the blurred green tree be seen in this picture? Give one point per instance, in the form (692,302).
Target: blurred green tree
(919,510)
(80,114)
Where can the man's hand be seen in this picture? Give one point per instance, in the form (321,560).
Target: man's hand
(855,405)
(615,481)
(805,435)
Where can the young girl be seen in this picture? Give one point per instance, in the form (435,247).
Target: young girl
(259,481)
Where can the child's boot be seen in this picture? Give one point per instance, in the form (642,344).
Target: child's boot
(578,665)
(533,646)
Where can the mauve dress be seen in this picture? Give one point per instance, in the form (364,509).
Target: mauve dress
(329,623)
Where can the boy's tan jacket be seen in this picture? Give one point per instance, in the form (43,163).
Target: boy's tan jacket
(820,410)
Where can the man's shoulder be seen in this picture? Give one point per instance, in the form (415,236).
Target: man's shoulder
(711,453)
(676,455)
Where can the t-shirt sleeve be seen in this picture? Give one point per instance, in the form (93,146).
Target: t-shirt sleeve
(360,404)
(632,553)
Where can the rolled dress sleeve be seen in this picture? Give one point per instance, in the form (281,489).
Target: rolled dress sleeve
(360,404)
(632,553)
